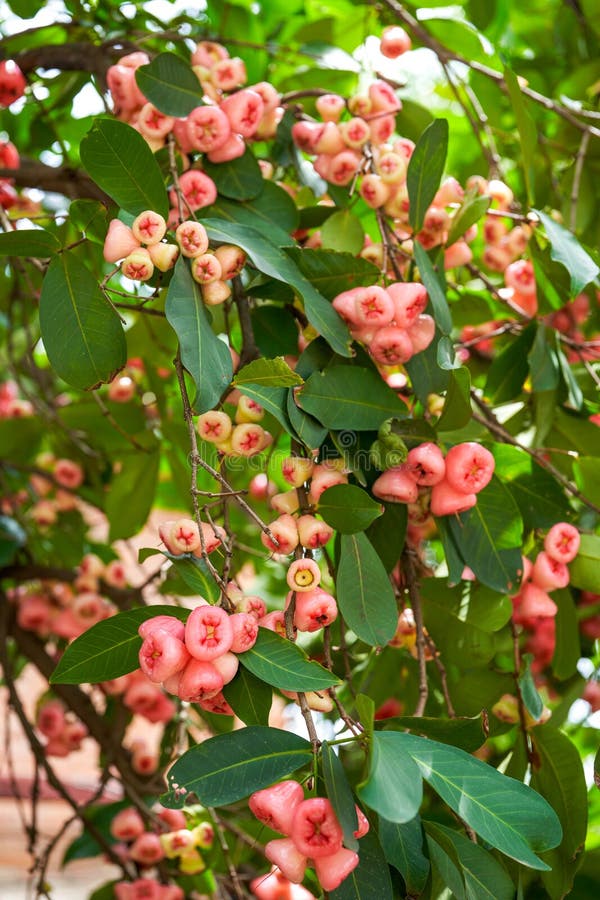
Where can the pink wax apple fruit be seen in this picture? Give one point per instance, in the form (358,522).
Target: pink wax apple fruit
(284,853)
(314,610)
(426,464)
(208,632)
(446,500)
(162,655)
(562,542)
(303,575)
(12,82)
(199,681)
(394,42)
(332,870)
(275,806)
(396,485)
(469,467)
(285,532)
(315,830)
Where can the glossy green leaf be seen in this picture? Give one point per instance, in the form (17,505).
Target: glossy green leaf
(272,209)
(331,272)
(469,212)
(348,508)
(466,733)
(83,336)
(387,534)
(267,372)
(543,360)
(587,476)
(482,876)
(585,568)
(529,693)
(28,242)
(489,537)
(509,369)
(393,787)
(340,794)
(249,697)
(364,593)
(307,428)
(425,374)
(196,575)
(566,249)
(560,778)
(272,261)
(370,880)
(205,357)
(349,397)
(435,289)
(343,232)
(120,161)
(239,179)
(526,128)
(275,331)
(273,399)
(169,83)
(402,844)
(540,499)
(457,405)
(110,648)
(365,710)
(231,766)
(567,649)
(131,495)
(91,218)
(284,665)
(425,170)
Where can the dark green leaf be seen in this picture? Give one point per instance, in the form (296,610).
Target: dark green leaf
(340,795)
(272,261)
(506,813)
(393,787)
(331,273)
(274,330)
(364,593)
(543,360)
(169,83)
(567,649)
(510,368)
(425,374)
(110,648)
(539,498)
(82,334)
(531,698)
(120,161)
(466,733)
(273,209)
(526,128)
(457,405)
(309,430)
(28,242)
(90,217)
(282,664)
(348,508)
(470,211)
(131,495)
(206,358)
(566,249)
(585,568)
(587,476)
(343,232)
(402,844)
(388,532)
(435,289)
(268,373)
(240,179)
(370,880)
(249,697)
(481,874)
(273,399)
(559,777)
(425,170)
(347,397)
(195,574)
(231,766)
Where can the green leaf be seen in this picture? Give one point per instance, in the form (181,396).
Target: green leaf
(12,538)
(273,399)
(249,697)
(540,499)
(425,170)
(331,273)
(543,360)
(284,665)
(239,179)
(343,232)
(388,532)
(560,778)
(28,242)
(82,333)
(231,766)
(365,710)
(510,368)
(489,537)
(90,217)
(169,83)
(349,397)
(195,574)
(370,880)
(206,358)
(481,874)
(466,733)
(348,508)
(393,787)
(526,128)
(272,209)
(267,372)
(364,593)
(566,249)
(426,376)
(587,477)
(110,648)
(272,261)
(567,649)
(340,795)
(131,495)
(585,568)
(469,212)
(529,693)
(402,844)
(308,429)
(120,161)
(506,813)
(457,405)
(435,289)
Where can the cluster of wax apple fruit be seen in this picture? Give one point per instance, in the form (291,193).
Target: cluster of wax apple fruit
(391,322)
(312,833)
(11,405)
(454,480)
(55,484)
(9,159)
(62,731)
(174,841)
(244,436)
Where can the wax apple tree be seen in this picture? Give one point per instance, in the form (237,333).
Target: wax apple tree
(300,445)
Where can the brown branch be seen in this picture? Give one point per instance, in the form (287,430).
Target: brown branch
(408,567)
(66,180)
